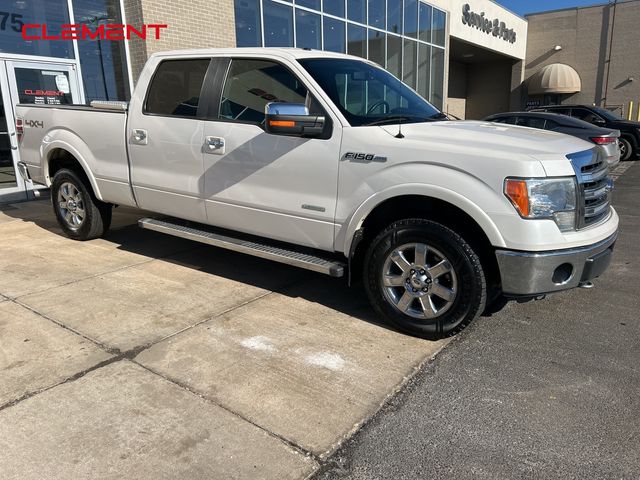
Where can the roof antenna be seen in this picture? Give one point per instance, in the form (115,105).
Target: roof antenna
(399,134)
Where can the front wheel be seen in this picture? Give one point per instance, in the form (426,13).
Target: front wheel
(424,279)
(80,214)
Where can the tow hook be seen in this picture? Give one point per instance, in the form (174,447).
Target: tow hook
(586,285)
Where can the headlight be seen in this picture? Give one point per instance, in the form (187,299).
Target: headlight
(551,198)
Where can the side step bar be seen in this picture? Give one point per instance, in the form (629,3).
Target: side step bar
(270,252)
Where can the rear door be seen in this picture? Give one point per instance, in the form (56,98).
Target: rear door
(274,186)
(165,136)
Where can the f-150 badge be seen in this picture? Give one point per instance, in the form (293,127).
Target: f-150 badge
(363,157)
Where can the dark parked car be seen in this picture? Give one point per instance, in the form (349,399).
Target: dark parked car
(605,138)
(629,130)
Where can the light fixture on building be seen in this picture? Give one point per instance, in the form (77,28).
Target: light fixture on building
(557,48)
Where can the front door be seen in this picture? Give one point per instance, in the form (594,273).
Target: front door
(28,82)
(269,185)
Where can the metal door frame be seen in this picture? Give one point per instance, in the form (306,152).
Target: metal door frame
(9,90)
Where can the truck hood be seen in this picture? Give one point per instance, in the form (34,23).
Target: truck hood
(487,135)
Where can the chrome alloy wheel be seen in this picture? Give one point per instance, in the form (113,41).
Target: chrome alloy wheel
(71,205)
(419,281)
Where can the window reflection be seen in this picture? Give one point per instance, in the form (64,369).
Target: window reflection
(278,25)
(248,32)
(397,34)
(16,13)
(103,62)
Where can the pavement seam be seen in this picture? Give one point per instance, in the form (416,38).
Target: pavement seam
(328,462)
(277,436)
(101,345)
(69,379)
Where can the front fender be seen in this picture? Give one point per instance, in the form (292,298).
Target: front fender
(462,190)
(68,141)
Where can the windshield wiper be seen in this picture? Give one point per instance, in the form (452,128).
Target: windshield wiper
(399,118)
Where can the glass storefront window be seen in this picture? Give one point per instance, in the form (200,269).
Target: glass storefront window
(334,35)
(437,77)
(248,33)
(411,18)
(278,25)
(424,22)
(394,55)
(307,30)
(357,41)
(376,47)
(424,74)
(356,10)
(407,37)
(16,13)
(334,7)
(409,69)
(103,62)
(394,16)
(439,26)
(376,13)
(314,4)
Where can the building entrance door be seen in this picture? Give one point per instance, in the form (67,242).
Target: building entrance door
(42,83)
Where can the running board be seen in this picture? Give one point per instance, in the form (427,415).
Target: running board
(262,250)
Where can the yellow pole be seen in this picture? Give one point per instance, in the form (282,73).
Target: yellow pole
(639,111)
(630,110)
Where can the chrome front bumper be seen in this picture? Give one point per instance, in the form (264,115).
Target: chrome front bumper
(537,273)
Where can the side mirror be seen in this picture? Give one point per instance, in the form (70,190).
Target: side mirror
(292,119)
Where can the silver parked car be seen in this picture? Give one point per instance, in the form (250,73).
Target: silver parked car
(606,138)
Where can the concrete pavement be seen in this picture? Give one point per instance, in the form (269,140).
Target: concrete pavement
(141,355)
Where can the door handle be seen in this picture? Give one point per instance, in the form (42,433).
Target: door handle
(214,145)
(139,136)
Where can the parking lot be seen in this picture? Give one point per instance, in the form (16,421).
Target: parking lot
(146,356)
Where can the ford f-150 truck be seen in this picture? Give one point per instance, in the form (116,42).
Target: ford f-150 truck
(328,162)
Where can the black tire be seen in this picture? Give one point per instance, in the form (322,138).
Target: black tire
(626,149)
(75,192)
(466,279)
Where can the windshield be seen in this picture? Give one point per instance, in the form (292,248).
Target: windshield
(608,114)
(369,95)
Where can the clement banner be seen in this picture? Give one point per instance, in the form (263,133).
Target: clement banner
(76,31)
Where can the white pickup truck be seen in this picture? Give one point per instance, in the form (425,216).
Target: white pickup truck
(328,162)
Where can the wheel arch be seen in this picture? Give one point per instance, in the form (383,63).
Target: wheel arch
(470,223)
(62,155)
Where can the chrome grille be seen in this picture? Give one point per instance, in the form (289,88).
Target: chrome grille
(594,187)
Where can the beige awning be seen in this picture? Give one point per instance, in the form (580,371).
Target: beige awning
(555,78)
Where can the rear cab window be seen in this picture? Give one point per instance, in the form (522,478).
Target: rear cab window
(176,87)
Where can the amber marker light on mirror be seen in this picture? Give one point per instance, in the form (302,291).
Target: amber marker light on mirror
(517,192)
(282,123)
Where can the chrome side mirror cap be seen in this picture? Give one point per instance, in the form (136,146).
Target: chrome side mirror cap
(293,119)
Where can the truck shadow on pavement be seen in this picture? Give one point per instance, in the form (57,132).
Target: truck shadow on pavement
(126,236)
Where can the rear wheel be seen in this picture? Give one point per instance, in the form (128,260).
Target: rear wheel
(626,148)
(80,214)
(424,279)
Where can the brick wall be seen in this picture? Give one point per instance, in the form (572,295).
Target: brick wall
(193,24)
(584,35)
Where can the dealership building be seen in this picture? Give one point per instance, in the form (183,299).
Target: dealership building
(467,57)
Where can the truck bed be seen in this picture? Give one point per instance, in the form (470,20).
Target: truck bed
(95,136)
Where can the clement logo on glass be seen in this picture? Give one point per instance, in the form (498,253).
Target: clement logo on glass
(81,31)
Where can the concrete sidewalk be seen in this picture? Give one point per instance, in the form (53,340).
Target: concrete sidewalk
(146,356)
